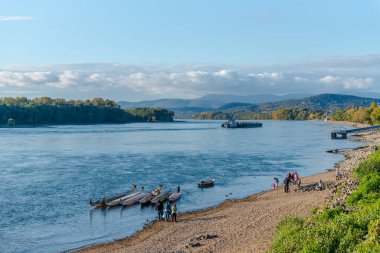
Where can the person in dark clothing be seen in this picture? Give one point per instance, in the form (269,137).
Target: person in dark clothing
(160,209)
(286,185)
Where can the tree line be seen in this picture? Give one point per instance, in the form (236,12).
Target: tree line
(368,115)
(279,114)
(46,110)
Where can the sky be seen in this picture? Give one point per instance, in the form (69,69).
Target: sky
(149,49)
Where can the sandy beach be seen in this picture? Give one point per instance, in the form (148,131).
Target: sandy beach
(245,225)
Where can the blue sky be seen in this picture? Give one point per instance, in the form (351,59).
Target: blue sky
(158,38)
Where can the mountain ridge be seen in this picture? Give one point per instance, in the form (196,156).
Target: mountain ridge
(326,101)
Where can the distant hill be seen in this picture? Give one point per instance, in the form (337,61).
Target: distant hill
(251,99)
(319,102)
(208,102)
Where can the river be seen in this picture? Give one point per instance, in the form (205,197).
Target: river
(49,173)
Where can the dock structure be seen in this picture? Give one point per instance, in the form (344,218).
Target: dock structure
(342,134)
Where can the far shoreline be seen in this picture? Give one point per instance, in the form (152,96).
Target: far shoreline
(82,124)
(4,126)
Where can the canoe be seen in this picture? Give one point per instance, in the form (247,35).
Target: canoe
(146,200)
(161,197)
(206,183)
(118,201)
(135,199)
(175,195)
(102,202)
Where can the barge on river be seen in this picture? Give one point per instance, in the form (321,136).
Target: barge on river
(235,124)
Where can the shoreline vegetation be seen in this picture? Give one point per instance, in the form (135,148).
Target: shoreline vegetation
(368,115)
(273,221)
(23,112)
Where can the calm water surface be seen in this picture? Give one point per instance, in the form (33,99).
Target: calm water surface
(48,174)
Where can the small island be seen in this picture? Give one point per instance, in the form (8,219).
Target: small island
(21,111)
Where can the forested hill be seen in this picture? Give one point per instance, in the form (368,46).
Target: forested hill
(320,102)
(45,110)
(337,107)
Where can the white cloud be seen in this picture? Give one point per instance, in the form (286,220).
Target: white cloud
(358,83)
(299,79)
(157,81)
(329,79)
(11,78)
(14,18)
(348,82)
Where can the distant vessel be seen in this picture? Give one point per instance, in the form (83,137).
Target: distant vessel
(206,183)
(231,123)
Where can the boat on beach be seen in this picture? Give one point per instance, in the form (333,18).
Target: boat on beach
(161,197)
(147,199)
(175,195)
(206,183)
(134,200)
(231,123)
(118,201)
(102,202)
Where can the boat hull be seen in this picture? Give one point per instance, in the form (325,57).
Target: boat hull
(243,125)
(174,196)
(147,199)
(206,183)
(118,201)
(102,202)
(134,200)
(162,197)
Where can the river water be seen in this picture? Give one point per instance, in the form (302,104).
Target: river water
(48,174)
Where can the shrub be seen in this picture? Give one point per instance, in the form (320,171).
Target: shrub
(368,190)
(288,237)
(330,214)
(371,165)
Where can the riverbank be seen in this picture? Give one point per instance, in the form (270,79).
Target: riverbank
(245,225)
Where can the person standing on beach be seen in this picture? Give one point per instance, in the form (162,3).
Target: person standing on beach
(167,211)
(286,185)
(160,209)
(174,212)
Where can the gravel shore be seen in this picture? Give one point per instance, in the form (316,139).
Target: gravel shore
(245,225)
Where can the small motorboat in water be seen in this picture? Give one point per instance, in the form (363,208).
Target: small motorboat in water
(175,195)
(206,183)
(102,202)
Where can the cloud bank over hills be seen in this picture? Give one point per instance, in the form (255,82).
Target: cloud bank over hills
(143,82)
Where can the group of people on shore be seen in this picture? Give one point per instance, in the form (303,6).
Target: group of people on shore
(166,211)
(290,178)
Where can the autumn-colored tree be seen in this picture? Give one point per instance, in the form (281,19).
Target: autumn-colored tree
(375,115)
